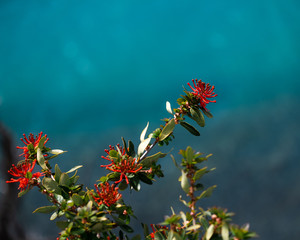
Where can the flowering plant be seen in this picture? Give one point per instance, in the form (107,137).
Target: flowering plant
(101,213)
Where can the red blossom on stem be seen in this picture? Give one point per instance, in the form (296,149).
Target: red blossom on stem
(31,140)
(107,194)
(124,165)
(202,92)
(23,174)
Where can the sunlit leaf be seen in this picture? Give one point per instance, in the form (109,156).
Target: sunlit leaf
(167,130)
(185,182)
(41,142)
(147,162)
(209,232)
(143,145)
(51,185)
(41,159)
(74,168)
(225,232)
(168,107)
(142,137)
(199,173)
(56,151)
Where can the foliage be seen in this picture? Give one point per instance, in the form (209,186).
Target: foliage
(101,213)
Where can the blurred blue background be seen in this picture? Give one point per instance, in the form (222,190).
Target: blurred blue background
(88,72)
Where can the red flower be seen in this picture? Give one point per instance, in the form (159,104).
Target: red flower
(203,91)
(107,195)
(31,140)
(123,165)
(23,173)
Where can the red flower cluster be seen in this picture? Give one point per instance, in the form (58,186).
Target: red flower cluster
(107,195)
(23,173)
(31,140)
(203,91)
(124,165)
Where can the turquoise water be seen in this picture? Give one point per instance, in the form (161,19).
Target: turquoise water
(100,70)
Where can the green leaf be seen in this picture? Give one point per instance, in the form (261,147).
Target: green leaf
(58,173)
(197,115)
(173,236)
(51,185)
(77,199)
(122,225)
(158,236)
(41,159)
(45,209)
(28,175)
(185,182)
(125,146)
(225,232)
(190,128)
(209,232)
(174,161)
(143,177)
(189,154)
(62,224)
(207,114)
(64,180)
(53,216)
(97,227)
(200,173)
(193,227)
(20,194)
(74,168)
(183,201)
(207,192)
(131,151)
(147,162)
(167,130)
(41,142)
(123,185)
(136,237)
(146,229)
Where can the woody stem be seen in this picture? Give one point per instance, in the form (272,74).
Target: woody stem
(148,149)
(191,194)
